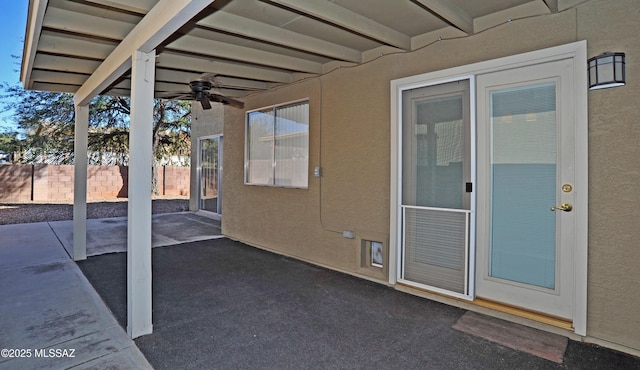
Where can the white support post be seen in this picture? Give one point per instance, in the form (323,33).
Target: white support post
(80,183)
(139,216)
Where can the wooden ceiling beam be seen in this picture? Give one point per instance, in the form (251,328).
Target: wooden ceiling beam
(335,14)
(245,27)
(83,24)
(217,49)
(552,5)
(54,87)
(74,47)
(64,64)
(451,13)
(162,21)
(134,6)
(216,67)
(58,77)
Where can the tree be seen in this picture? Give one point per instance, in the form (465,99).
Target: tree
(9,143)
(47,121)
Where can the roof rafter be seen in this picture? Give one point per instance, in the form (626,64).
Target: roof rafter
(59,77)
(167,90)
(165,18)
(170,75)
(240,83)
(237,25)
(225,50)
(136,6)
(332,13)
(552,5)
(69,21)
(451,13)
(50,43)
(58,87)
(234,24)
(64,64)
(181,77)
(177,61)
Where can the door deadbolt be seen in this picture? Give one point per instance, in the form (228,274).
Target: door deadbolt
(567,188)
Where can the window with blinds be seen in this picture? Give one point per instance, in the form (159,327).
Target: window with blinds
(277,146)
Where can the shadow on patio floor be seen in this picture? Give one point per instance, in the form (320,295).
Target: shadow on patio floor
(224,305)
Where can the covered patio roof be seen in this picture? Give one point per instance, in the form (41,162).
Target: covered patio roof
(240,45)
(154,48)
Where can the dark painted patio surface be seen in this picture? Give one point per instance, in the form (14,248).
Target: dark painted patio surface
(219,304)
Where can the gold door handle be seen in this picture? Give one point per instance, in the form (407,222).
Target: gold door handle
(567,207)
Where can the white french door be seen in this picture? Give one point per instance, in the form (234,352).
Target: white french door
(490,200)
(526,163)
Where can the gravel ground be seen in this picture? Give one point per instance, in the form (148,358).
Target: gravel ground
(20,213)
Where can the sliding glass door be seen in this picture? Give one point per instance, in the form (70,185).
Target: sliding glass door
(210,174)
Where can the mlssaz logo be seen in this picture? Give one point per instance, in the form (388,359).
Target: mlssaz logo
(55,353)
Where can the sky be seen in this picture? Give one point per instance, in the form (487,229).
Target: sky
(13,23)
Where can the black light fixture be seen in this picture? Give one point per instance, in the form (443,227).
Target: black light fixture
(606,70)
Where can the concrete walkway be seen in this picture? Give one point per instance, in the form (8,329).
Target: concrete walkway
(50,315)
(109,235)
(49,308)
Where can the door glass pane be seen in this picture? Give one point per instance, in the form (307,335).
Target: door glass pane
(523,184)
(209,175)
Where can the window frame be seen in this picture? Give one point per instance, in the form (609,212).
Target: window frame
(272,109)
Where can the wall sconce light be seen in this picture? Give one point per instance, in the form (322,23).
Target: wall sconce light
(606,70)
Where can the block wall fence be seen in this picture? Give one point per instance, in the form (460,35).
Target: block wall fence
(54,183)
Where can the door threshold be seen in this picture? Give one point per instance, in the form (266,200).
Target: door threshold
(559,322)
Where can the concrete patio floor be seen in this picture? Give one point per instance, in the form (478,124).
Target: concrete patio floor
(220,304)
(50,315)
(109,235)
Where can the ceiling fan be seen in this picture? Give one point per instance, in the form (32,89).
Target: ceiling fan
(200,92)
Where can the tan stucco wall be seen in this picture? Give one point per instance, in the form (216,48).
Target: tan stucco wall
(350,140)
(203,123)
(614,177)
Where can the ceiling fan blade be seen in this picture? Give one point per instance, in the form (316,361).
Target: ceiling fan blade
(226,100)
(205,103)
(200,92)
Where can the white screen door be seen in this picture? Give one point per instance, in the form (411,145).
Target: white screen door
(436,187)
(526,223)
